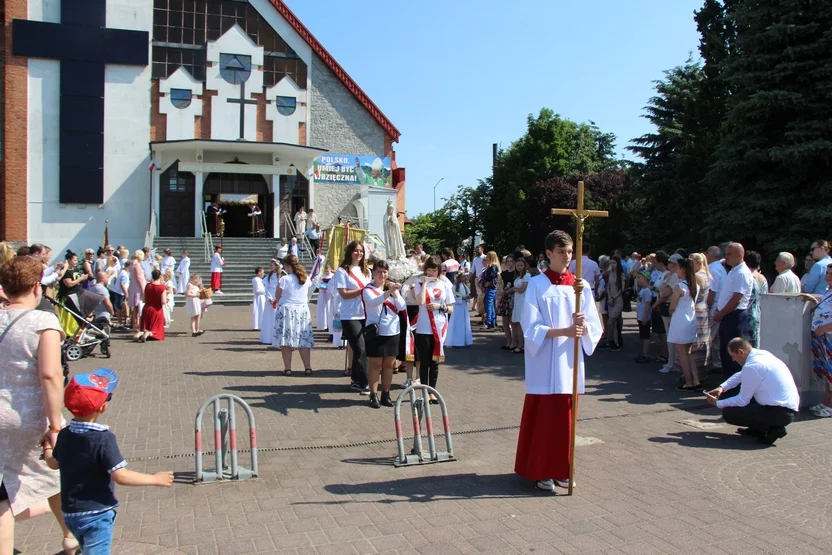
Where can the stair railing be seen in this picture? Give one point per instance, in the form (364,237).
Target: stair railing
(208,241)
(302,238)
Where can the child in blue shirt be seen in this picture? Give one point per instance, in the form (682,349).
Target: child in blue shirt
(89,459)
(644,314)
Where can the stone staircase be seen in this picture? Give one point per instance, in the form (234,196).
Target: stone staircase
(242,255)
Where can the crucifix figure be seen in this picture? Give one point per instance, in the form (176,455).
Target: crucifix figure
(242,101)
(84,45)
(580,214)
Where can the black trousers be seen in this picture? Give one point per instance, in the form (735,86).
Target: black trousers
(428,369)
(730,327)
(353,331)
(758,417)
(314,243)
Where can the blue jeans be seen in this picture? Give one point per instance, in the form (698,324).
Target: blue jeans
(490,309)
(93,532)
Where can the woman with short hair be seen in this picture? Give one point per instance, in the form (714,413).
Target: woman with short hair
(138,283)
(383,303)
(31,400)
(505,300)
(751,332)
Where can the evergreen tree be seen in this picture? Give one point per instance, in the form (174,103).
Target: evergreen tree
(771,178)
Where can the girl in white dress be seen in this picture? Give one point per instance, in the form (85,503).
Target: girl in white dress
(682,331)
(167,279)
(292,321)
(267,320)
(193,304)
(322,312)
(459,334)
(168,263)
(521,281)
(183,273)
(258,304)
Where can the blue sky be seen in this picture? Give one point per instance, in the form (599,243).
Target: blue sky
(456,76)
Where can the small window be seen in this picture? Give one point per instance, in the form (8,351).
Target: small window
(180,98)
(235,68)
(286,105)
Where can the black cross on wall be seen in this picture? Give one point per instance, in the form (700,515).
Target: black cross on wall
(84,45)
(242,101)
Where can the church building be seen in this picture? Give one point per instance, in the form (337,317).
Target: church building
(142,112)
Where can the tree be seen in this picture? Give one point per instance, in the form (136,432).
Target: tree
(773,168)
(551,148)
(459,219)
(600,188)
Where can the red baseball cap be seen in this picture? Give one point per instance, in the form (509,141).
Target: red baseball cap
(86,393)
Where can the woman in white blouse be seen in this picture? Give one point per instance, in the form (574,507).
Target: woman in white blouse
(382,302)
(436,301)
(292,321)
(521,281)
(350,279)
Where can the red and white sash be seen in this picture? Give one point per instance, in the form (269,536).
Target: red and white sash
(434,294)
(409,344)
(373,290)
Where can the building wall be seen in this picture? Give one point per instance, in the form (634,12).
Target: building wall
(340,124)
(15,105)
(126,132)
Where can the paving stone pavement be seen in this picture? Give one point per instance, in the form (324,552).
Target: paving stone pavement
(657,471)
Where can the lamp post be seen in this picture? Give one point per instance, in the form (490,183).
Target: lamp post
(434,192)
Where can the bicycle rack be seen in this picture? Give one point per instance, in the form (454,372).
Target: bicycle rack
(225,441)
(417,408)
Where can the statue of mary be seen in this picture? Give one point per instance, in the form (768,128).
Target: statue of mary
(393,235)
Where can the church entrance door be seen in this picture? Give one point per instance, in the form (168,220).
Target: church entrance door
(236,193)
(176,203)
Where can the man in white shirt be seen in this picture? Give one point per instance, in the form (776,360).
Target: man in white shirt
(282,250)
(589,270)
(786,280)
(718,274)
(477,268)
(732,304)
(768,399)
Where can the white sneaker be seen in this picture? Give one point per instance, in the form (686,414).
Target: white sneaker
(545,485)
(665,369)
(564,483)
(365,391)
(407,383)
(218,292)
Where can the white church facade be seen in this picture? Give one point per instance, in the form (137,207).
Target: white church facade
(168,105)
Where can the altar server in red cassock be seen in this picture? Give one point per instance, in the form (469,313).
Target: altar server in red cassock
(550,326)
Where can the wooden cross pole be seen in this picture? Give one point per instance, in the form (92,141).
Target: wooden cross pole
(580,215)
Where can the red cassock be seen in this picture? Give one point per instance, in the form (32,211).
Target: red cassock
(545,433)
(216,281)
(153,317)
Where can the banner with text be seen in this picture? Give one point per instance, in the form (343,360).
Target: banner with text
(352,170)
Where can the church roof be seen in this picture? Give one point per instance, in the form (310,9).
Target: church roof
(336,68)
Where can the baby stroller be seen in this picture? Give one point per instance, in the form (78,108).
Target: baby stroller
(83,334)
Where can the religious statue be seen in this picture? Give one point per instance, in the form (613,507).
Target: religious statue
(393,235)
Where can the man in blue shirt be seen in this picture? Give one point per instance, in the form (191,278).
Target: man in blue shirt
(815,283)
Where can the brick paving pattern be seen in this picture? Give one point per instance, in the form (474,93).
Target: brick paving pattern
(657,471)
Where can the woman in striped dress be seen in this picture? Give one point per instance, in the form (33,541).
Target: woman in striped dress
(701,351)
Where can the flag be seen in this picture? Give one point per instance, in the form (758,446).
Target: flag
(106,240)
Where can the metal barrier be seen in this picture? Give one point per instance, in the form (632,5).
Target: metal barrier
(225,441)
(417,407)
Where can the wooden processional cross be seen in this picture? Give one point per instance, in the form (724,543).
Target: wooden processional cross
(580,215)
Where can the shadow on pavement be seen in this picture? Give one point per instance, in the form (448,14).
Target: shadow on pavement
(439,488)
(306,396)
(711,440)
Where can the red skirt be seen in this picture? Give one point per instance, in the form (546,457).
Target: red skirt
(216,281)
(543,445)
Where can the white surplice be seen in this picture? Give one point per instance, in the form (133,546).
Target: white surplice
(183,273)
(322,312)
(549,362)
(258,305)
